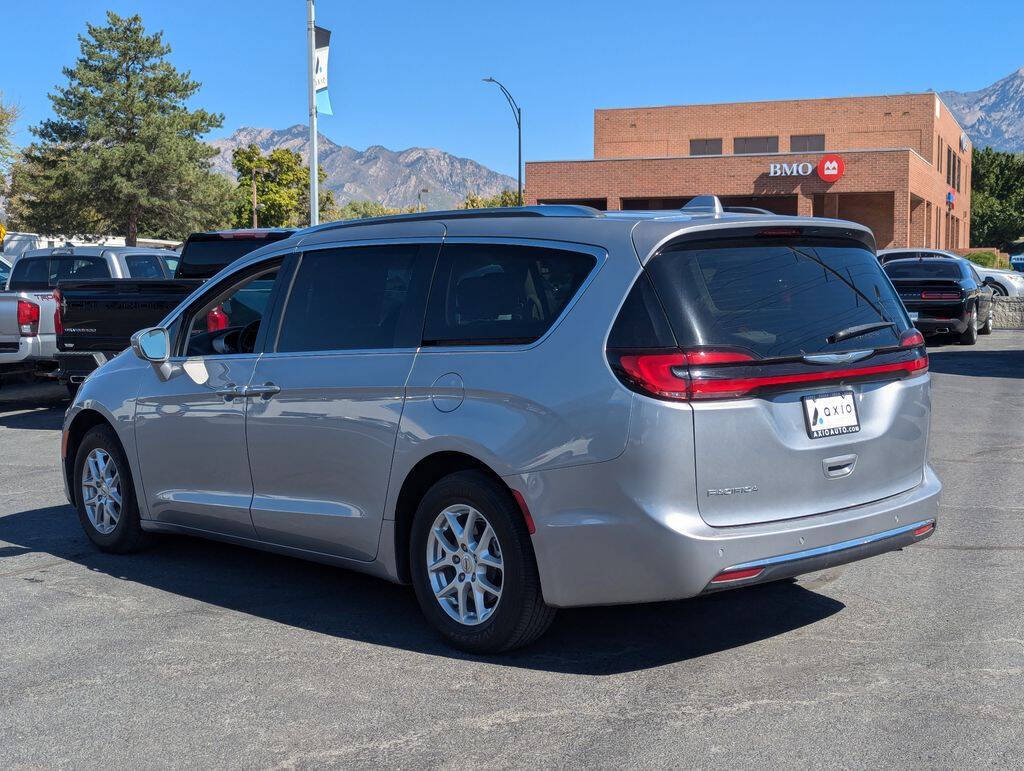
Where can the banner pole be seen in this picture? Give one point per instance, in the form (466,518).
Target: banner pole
(314,161)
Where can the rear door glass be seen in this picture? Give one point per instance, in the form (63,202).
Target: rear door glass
(31,273)
(923,269)
(144,266)
(494,294)
(77,269)
(774,299)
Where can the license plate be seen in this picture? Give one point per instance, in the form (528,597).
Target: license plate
(913,315)
(831,414)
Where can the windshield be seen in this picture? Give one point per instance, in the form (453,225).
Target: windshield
(923,269)
(776,300)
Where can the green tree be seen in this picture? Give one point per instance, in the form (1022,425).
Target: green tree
(8,115)
(997,197)
(504,198)
(122,153)
(282,188)
(357,210)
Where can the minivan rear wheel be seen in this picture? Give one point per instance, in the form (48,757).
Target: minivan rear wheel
(473,568)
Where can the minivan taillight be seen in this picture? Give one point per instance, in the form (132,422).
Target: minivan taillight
(717,374)
(28,318)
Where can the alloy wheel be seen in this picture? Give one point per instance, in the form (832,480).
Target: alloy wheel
(464,564)
(101,491)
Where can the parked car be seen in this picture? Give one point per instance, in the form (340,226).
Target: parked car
(97,318)
(944,295)
(1017,262)
(1004,283)
(524,409)
(27,308)
(5,272)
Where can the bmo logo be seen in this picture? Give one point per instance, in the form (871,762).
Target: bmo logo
(830,168)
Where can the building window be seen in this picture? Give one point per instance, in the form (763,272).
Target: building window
(959,168)
(949,166)
(806,143)
(753,145)
(705,147)
(938,156)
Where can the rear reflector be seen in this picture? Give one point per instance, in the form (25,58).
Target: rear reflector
(526,511)
(940,295)
(736,575)
(58,321)
(924,529)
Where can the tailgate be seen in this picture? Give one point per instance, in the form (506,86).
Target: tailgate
(103,315)
(803,373)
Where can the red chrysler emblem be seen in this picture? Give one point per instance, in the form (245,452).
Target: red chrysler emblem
(831,168)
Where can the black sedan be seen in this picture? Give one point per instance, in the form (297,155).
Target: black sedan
(943,295)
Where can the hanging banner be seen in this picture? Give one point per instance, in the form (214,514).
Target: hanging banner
(322,48)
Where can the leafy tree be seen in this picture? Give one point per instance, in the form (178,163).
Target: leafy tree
(123,152)
(997,197)
(8,115)
(504,198)
(357,210)
(282,188)
(328,208)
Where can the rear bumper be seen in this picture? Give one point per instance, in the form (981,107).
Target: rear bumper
(31,351)
(616,550)
(937,318)
(941,326)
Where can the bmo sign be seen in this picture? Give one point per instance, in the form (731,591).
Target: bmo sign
(830,168)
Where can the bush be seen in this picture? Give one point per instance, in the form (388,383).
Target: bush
(987,259)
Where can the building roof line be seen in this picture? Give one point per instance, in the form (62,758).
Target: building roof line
(768,101)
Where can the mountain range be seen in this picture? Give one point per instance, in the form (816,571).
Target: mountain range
(391,177)
(992,116)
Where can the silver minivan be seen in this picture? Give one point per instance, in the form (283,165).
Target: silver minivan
(524,409)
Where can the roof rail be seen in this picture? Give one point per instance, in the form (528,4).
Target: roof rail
(542,210)
(747,210)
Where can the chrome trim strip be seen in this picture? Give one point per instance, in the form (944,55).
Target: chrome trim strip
(830,549)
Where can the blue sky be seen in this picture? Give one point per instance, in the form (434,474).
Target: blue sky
(408,73)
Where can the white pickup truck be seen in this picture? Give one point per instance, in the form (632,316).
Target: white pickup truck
(27,333)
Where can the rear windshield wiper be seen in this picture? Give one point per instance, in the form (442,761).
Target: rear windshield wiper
(858,330)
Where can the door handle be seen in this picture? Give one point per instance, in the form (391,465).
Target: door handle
(231,392)
(264,391)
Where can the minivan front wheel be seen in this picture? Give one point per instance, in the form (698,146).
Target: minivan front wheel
(473,568)
(104,493)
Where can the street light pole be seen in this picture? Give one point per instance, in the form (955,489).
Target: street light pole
(314,159)
(517,113)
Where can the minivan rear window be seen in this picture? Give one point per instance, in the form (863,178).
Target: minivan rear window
(501,294)
(776,299)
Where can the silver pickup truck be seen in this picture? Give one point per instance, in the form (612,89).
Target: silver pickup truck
(27,335)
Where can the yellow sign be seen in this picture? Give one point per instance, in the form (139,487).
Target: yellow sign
(3,234)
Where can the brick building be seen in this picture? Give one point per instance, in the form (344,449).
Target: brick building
(899,164)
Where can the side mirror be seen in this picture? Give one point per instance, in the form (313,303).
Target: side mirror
(152,345)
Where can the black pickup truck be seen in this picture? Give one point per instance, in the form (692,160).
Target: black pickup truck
(96,319)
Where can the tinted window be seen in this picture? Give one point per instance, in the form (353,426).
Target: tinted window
(77,269)
(923,269)
(204,255)
(803,143)
(705,147)
(31,273)
(747,145)
(5,272)
(491,293)
(229,322)
(773,299)
(362,297)
(144,266)
(641,322)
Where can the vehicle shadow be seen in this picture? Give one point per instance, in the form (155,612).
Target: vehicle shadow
(987,363)
(40,419)
(332,601)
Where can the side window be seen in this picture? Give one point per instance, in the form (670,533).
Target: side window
(228,322)
(144,266)
(641,322)
(358,297)
(492,294)
(974,275)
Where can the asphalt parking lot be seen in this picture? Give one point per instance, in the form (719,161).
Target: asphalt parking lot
(201,654)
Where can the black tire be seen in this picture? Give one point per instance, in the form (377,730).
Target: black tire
(127,535)
(998,290)
(986,329)
(970,335)
(520,616)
